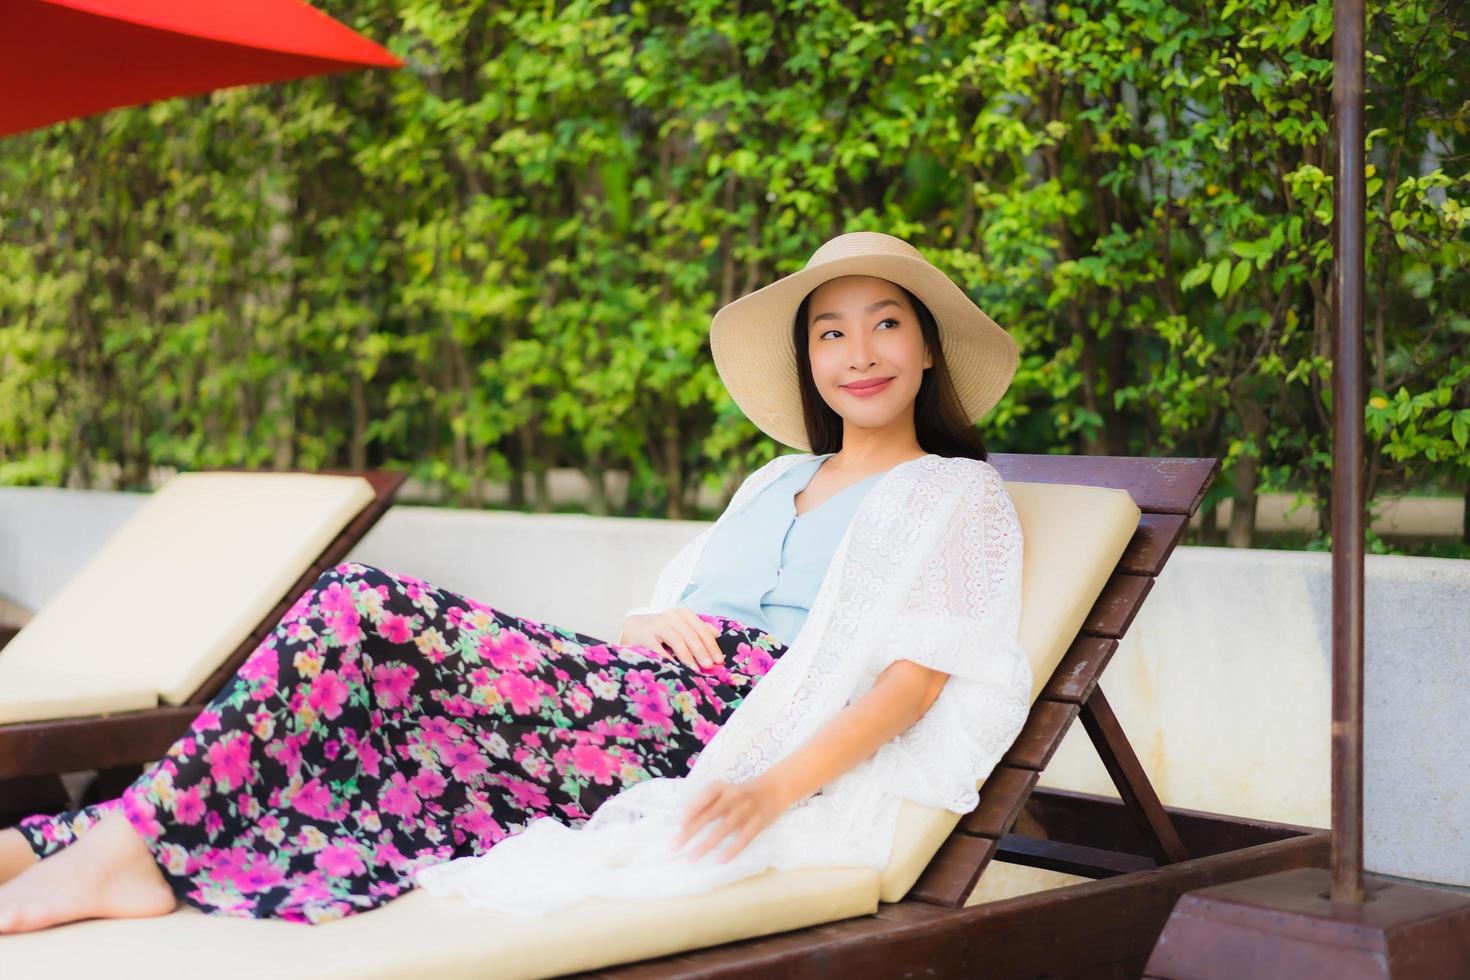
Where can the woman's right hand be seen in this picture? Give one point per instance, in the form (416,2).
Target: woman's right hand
(678,631)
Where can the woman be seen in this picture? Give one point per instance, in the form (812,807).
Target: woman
(390,733)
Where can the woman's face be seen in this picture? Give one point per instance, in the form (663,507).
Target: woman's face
(860,328)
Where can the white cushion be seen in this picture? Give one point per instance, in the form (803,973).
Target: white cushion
(173,592)
(419,935)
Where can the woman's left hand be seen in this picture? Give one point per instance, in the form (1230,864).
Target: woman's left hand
(741,809)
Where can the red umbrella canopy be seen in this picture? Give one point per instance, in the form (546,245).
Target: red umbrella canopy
(60,59)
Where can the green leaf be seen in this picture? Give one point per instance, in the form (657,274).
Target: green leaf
(1239,275)
(1220,281)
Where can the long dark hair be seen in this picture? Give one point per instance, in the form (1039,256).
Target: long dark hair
(939,420)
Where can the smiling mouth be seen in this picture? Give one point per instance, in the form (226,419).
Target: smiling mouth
(867,385)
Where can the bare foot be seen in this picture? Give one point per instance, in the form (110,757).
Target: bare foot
(15,854)
(109,873)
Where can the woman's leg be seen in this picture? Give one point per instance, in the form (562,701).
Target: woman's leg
(215,811)
(385,725)
(110,874)
(16,854)
(571,720)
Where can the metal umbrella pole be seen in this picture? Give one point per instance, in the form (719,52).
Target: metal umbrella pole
(1347,454)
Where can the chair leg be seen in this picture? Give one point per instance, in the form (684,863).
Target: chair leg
(1133,784)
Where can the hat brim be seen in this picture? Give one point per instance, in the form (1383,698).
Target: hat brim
(755,355)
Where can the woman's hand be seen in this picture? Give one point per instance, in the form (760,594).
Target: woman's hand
(739,809)
(678,631)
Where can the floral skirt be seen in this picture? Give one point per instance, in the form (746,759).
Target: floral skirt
(385,725)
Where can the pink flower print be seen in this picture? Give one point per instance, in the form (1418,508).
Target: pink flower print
(597,653)
(753,660)
(226,864)
(520,691)
(301,608)
(340,859)
(532,739)
(454,617)
(213,824)
(500,649)
(141,814)
(229,760)
(350,673)
(259,875)
(189,805)
(580,700)
(387,853)
(391,684)
(464,760)
(595,762)
(705,730)
(328,694)
(649,699)
(428,784)
(527,795)
(263,666)
(287,751)
(573,811)
(347,626)
(308,892)
(394,628)
(183,748)
(330,748)
(313,799)
(337,600)
(368,757)
(440,734)
(461,706)
(398,797)
(481,825)
(206,721)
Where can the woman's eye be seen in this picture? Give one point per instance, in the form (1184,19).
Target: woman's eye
(823,334)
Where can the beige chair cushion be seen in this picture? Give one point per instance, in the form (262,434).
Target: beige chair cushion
(1073,537)
(419,935)
(173,592)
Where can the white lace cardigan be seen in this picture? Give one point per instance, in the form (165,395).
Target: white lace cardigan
(929,570)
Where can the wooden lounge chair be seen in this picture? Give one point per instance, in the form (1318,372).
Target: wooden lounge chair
(909,918)
(114,725)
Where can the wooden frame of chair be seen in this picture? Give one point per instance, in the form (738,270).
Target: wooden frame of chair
(1141,854)
(33,754)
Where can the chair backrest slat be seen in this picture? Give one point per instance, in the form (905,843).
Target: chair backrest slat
(1041,734)
(1120,600)
(1158,485)
(1002,795)
(954,869)
(1155,538)
(1077,674)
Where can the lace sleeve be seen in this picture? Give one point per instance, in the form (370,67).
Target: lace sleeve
(961,616)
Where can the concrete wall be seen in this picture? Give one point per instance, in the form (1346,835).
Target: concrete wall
(1223,682)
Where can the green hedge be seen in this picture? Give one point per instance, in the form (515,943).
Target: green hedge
(505,257)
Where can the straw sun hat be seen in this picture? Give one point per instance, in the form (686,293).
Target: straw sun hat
(755,356)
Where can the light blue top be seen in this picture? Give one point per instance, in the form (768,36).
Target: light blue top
(764,564)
